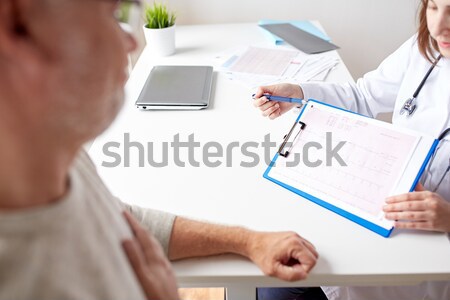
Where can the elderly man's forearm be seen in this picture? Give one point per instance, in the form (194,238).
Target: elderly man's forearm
(193,238)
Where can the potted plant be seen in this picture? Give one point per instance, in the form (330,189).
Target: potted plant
(159,29)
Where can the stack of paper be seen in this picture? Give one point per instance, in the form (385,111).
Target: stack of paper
(261,61)
(255,66)
(316,68)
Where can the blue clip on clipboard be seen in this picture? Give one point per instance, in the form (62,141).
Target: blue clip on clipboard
(415,166)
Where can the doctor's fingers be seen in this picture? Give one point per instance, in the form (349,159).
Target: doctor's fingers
(269,89)
(272,112)
(416,205)
(421,225)
(260,102)
(410,216)
(410,197)
(419,187)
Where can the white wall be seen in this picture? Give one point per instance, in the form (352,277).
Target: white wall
(366,30)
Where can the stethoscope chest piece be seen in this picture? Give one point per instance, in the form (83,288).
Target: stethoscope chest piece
(409,107)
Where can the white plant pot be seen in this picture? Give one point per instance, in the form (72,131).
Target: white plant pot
(161,41)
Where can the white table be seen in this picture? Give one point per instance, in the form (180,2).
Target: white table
(349,253)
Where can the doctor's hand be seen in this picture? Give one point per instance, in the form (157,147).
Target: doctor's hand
(149,263)
(285,255)
(274,109)
(420,209)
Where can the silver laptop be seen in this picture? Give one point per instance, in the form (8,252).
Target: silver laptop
(176,88)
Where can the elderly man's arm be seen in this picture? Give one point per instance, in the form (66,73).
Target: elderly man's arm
(159,223)
(285,255)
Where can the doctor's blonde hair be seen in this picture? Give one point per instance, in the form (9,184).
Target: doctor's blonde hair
(427,45)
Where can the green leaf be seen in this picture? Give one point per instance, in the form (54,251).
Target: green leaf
(158,16)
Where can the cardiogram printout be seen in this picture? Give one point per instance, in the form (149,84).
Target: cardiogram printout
(264,61)
(255,66)
(374,157)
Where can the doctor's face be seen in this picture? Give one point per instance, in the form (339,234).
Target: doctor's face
(438,21)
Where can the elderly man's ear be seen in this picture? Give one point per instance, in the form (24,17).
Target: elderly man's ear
(18,45)
(16,40)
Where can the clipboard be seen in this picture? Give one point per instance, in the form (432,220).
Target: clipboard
(376,160)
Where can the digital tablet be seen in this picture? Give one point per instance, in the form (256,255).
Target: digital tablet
(176,87)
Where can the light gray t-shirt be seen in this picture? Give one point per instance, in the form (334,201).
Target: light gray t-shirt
(72,249)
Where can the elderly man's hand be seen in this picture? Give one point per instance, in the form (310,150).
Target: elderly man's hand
(285,255)
(150,265)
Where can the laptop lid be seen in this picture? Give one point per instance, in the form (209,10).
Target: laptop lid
(177,87)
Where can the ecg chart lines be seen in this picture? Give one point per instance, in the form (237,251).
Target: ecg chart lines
(374,163)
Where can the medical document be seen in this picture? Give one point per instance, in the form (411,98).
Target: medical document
(257,66)
(377,160)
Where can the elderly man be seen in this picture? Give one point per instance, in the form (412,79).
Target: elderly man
(62,234)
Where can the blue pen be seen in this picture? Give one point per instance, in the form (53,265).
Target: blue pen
(284,99)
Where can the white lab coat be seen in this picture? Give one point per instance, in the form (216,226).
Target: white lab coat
(384,90)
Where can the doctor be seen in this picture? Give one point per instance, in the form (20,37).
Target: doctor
(396,85)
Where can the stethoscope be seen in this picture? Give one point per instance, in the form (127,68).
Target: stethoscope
(440,139)
(410,106)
